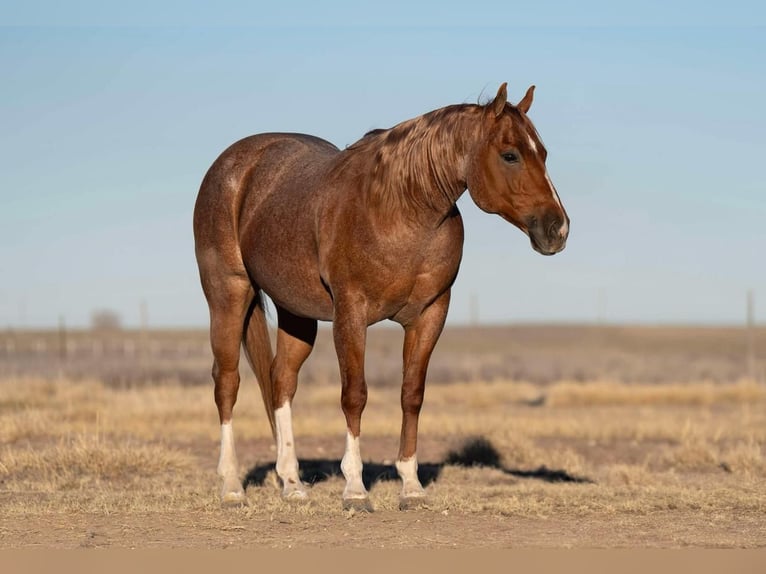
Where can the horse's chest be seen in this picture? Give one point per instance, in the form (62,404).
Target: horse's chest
(397,270)
(401,284)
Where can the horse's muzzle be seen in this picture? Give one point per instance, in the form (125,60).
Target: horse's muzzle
(548,235)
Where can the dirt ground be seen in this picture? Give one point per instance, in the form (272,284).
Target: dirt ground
(505,465)
(385,529)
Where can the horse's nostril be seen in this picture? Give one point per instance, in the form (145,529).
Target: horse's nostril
(554,229)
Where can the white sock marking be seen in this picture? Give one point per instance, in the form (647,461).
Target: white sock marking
(287,461)
(228,469)
(227,462)
(351,465)
(408,472)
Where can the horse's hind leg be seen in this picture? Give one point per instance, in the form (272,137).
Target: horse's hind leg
(420,337)
(228,298)
(295,339)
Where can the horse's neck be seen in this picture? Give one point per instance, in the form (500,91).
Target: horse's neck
(419,172)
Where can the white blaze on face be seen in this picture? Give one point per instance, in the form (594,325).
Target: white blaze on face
(553,190)
(351,465)
(532,143)
(564,229)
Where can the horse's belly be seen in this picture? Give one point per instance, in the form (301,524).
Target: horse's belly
(410,303)
(285,268)
(293,282)
(297,290)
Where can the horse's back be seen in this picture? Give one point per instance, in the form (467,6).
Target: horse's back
(260,159)
(244,175)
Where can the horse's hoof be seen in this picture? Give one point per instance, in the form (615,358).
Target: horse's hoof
(233,500)
(295,496)
(412,502)
(357,504)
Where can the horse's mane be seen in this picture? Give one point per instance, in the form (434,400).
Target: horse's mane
(416,162)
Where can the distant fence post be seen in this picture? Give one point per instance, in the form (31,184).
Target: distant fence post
(62,347)
(751,336)
(473,310)
(62,339)
(143,336)
(600,306)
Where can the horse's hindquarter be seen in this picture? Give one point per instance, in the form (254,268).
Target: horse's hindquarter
(277,230)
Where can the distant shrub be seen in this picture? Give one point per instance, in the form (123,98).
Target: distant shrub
(105,320)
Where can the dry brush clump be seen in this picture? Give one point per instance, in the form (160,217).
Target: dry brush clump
(696,451)
(668,394)
(87,460)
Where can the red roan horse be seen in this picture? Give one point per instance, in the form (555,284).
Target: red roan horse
(355,236)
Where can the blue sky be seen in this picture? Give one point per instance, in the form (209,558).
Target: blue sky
(653,118)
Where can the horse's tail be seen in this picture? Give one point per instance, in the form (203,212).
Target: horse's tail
(255,338)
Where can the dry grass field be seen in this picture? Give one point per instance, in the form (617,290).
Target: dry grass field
(509,462)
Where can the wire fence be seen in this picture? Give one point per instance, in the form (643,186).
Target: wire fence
(533,353)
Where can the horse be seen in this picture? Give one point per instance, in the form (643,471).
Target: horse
(355,236)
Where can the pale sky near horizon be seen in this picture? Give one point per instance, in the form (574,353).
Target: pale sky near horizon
(654,121)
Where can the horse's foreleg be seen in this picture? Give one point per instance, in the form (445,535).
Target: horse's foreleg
(295,339)
(228,302)
(349,333)
(420,337)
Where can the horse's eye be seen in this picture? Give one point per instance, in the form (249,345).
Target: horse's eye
(510,157)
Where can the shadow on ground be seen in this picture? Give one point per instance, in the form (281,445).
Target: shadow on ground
(475,452)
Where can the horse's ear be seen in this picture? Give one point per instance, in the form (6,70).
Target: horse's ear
(498,104)
(526,101)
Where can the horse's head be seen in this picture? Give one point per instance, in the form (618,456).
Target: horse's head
(507,175)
